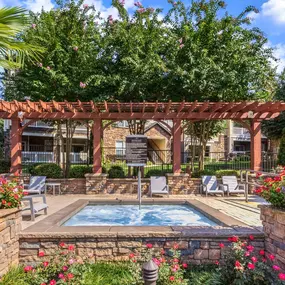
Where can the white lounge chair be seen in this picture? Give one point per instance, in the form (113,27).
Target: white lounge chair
(158,185)
(37,185)
(210,186)
(34,207)
(232,185)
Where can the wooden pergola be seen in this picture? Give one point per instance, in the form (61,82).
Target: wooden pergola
(249,114)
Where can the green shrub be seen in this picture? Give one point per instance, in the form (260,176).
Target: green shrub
(155,172)
(281,152)
(4,166)
(104,169)
(227,172)
(50,170)
(78,171)
(200,173)
(116,171)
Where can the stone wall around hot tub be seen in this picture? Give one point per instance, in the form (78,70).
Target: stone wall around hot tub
(117,247)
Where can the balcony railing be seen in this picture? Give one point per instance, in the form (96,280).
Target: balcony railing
(241,132)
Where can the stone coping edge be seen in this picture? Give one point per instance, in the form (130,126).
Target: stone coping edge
(7,212)
(272,208)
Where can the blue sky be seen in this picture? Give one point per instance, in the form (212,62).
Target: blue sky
(271,18)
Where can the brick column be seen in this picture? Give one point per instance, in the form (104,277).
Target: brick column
(97,168)
(177,130)
(255,146)
(16,147)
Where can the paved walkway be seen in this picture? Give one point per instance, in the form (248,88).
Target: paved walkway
(232,206)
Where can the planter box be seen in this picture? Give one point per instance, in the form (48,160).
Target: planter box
(273,221)
(10,226)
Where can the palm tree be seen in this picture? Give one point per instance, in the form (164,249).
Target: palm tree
(12,50)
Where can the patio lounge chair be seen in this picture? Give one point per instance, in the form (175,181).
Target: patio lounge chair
(158,185)
(210,186)
(37,185)
(34,207)
(232,185)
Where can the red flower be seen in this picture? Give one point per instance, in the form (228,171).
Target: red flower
(71,247)
(172,278)
(45,264)
(132,255)
(281,276)
(25,193)
(52,282)
(28,268)
(175,246)
(271,257)
(16,196)
(247,253)
(263,259)
(276,267)
(278,190)
(62,244)
(70,276)
(64,268)
(233,239)
(262,252)
(217,262)
(61,276)
(184,265)
(254,259)
(221,245)
(175,260)
(251,266)
(41,254)
(162,252)
(238,266)
(251,237)
(3,202)
(149,245)
(258,174)
(250,248)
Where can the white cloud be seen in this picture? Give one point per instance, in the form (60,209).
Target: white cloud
(38,5)
(279,53)
(274,9)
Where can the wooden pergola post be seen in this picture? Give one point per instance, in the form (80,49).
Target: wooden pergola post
(16,146)
(97,130)
(255,146)
(177,130)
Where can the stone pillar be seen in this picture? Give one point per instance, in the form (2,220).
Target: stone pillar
(177,130)
(97,168)
(10,226)
(95,183)
(273,221)
(255,146)
(16,146)
(178,183)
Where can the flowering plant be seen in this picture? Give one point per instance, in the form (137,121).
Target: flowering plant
(273,189)
(10,194)
(170,270)
(246,265)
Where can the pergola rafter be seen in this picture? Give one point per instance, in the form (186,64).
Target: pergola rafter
(249,113)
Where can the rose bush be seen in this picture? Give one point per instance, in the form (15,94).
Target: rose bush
(272,189)
(11,194)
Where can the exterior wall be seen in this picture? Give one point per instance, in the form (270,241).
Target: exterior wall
(10,226)
(117,247)
(69,186)
(273,221)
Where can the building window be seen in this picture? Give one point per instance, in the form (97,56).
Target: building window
(120,148)
(121,124)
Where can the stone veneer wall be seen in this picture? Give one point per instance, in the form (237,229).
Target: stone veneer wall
(118,246)
(273,221)
(10,226)
(69,186)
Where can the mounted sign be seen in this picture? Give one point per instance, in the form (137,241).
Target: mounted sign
(136,150)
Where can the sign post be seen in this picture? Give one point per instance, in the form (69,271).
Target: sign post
(136,155)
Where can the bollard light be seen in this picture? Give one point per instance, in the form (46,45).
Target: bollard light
(150,273)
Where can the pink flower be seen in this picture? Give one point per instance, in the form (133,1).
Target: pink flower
(247,253)
(122,2)
(221,245)
(184,265)
(40,64)
(48,68)
(176,260)
(276,267)
(70,276)
(238,265)
(132,255)
(71,261)
(262,252)
(263,259)
(180,40)
(250,266)
(251,237)
(43,283)
(141,10)
(250,248)
(34,26)
(149,245)
(28,268)
(75,48)
(174,3)
(138,4)
(175,246)
(85,6)
(271,257)
(181,46)
(64,268)
(172,278)
(110,19)
(82,85)
(45,264)
(217,262)
(254,259)
(156,261)
(162,252)
(41,254)
(52,282)
(60,275)
(281,276)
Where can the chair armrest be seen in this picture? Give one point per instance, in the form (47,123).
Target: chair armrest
(241,186)
(203,187)
(224,187)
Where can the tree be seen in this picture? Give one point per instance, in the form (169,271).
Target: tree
(281,152)
(13,51)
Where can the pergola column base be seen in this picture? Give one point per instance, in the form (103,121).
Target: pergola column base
(95,183)
(181,183)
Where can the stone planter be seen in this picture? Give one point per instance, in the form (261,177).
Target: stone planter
(273,221)
(10,226)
